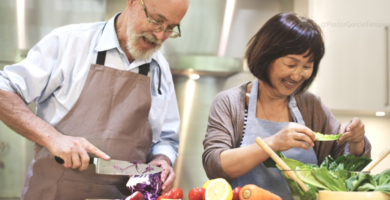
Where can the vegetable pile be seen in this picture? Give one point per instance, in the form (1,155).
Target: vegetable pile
(341,174)
(247,192)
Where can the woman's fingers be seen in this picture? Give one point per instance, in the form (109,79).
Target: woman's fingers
(304,139)
(294,135)
(354,131)
(299,128)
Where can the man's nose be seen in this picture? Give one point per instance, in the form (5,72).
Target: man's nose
(161,35)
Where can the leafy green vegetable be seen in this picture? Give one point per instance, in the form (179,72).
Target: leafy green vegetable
(345,162)
(270,162)
(307,177)
(310,194)
(383,181)
(293,164)
(325,177)
(322,137)
(340,174)
(332,175)
(362,182)
(295,190)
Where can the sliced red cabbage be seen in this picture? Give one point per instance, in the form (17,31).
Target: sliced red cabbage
(149,185)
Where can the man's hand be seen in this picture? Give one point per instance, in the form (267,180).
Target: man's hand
(74,151)
(168,175)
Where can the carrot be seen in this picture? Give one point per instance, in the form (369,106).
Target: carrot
(253,192)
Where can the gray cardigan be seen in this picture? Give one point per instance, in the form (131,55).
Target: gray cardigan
(226,122)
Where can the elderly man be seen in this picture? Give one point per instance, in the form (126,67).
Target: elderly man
(102,89)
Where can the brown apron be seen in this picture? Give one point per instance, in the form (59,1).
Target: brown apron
(112,114)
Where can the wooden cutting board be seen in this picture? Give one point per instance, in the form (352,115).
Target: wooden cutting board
(328,195)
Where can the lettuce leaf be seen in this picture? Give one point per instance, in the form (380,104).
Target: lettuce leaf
(270,162)
(322,137)
(332,181)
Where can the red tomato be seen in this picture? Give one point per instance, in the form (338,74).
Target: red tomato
(175,193)
(160,197)
(236,193)
(197,194)
(136,196)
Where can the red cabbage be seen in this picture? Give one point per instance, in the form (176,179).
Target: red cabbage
(149,185)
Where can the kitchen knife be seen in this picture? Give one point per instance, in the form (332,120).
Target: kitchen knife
(119,167)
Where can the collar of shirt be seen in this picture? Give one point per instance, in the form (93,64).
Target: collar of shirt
(109,40)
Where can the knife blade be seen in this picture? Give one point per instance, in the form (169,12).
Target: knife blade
(119,167)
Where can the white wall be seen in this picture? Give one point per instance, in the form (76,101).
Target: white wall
(378,132)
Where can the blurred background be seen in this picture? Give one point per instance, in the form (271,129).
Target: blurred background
(353,79)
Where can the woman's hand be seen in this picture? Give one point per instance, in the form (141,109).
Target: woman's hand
(292,135)
(353,133)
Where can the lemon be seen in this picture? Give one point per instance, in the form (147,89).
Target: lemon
(219,189)
(206,184)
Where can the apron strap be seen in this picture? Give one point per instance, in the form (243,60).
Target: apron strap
(101,58)
(296,114)
(144,69)
(253,99)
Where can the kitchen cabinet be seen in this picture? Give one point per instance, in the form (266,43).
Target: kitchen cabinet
(354,73)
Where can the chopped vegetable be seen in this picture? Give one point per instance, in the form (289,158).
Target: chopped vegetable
(322,137)
(253,192)
(149,185)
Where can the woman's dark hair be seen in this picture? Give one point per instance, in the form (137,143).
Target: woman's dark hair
(284,34)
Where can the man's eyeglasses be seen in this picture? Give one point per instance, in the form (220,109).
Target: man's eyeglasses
(157,26)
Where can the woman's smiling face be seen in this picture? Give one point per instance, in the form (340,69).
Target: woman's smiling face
(287,73)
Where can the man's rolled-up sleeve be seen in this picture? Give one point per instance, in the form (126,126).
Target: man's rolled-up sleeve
(30,77)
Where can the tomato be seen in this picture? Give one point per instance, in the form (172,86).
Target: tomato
(197,194)
(175,193)
(236,193)
(136,196)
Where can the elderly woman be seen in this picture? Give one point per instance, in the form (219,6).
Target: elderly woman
(284,56)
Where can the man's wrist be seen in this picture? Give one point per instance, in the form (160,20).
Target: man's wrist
(162,157)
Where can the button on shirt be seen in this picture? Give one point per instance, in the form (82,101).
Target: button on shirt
(55,70)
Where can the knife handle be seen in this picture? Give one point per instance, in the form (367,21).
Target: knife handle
(60,161)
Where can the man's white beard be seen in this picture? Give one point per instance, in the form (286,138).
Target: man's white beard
(133,37)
